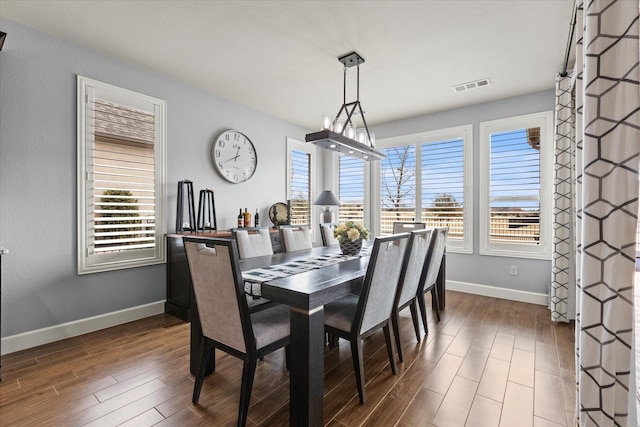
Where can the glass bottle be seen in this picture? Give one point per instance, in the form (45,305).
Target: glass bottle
(240,219)
(247,218)
(256,220)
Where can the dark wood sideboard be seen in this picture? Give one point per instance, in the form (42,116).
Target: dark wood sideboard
(179,288)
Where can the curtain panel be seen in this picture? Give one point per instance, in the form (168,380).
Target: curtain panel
(608,145)
(563,263)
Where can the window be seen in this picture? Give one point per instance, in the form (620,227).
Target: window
(426,177)
(351,189)
(299,181)
(397,187)
(121,178)
(515,186)
(446,185)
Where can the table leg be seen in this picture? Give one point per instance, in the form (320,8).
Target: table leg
(306,366)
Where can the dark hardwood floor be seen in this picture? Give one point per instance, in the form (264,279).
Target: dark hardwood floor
(489,362)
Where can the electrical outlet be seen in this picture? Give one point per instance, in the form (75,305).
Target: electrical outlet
(513,270)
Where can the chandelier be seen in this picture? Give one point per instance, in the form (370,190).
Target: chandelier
(340,133)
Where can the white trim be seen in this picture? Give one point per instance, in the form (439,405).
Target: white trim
(502,293)
(544,120)
(50,334)
(87,260)
(465,132)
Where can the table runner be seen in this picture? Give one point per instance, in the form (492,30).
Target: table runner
(254,278)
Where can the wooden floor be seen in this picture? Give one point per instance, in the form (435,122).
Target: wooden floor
(489,362)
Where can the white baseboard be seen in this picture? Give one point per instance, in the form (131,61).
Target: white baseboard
(503,293)
(42,336)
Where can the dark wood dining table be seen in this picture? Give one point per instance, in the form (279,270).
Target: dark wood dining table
(306,293)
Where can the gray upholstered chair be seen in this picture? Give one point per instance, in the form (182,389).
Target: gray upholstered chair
(295,237)
(429,283)
(355,317)
(408,227)
(224,316)
(413,273)
(253,242)
(326,233)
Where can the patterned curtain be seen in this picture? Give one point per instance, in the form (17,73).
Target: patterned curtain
(608,143)
(563,263)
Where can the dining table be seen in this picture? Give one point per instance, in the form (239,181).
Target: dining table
(305,293)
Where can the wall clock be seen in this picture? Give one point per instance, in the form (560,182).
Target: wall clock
(234,156)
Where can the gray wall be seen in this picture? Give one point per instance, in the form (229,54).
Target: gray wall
(534,275)
(40,287)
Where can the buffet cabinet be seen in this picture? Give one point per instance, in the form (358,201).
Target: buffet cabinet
(179,288)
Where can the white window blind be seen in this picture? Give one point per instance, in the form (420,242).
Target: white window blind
(515,187)
(121,194)
(300,187)
(397,187)
(351,183)
(442,186)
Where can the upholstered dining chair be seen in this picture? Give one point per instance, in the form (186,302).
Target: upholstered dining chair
(226,322)
(295,237)
(326,233)
(429,283)
(354,317)
(407,227)
(414,269)
(253,241)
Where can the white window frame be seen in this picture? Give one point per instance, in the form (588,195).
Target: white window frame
(89,262)
(465,132)
(543,120)
(365,197)
(294,144)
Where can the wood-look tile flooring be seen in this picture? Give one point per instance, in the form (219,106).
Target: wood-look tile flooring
(489,362)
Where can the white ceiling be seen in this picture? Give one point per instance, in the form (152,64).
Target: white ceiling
(280,57)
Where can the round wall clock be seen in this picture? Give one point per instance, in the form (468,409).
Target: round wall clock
(234,156)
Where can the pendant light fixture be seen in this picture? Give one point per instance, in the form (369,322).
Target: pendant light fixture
(340,133)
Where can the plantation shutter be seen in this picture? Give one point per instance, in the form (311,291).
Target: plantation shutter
(300,187)
(442,186)
(121,180)
(351,189)
(515,187)
(397,187)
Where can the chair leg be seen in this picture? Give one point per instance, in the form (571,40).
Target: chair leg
(287,355)
(414,318)
(423,311)
(358,366)
(435,297)
(395,323)
(389,342)
(205,355)
(248,373)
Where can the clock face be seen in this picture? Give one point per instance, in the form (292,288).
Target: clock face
(234,156)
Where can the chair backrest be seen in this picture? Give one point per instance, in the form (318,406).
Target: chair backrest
(435,257)
(326,232)
(408,227)
(219,292)
(414,265)
(296,238)
(253,242)
(380,282)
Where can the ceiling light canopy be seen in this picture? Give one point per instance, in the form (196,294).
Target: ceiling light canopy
(340,133)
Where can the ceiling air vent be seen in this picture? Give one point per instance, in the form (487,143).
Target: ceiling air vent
(471,85)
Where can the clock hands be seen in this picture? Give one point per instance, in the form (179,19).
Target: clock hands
(234,158)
